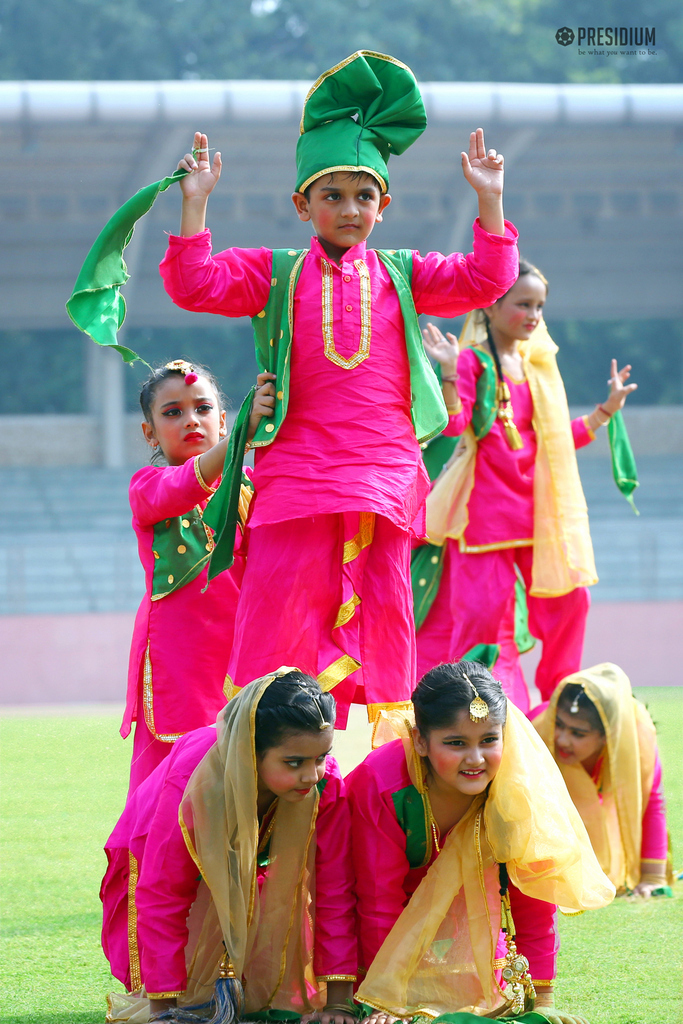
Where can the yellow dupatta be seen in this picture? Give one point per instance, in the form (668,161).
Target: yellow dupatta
(440,955)
(563,552)
(612,814)
(268,935)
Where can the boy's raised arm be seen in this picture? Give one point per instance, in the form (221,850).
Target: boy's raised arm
(484,171)
(197,185)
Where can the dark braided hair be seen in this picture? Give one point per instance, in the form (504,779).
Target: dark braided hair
(444,692)
(157,377)
(292,703)
(574,696)
(525,268)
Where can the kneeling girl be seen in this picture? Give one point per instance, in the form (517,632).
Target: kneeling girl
(232,858)
(462,808)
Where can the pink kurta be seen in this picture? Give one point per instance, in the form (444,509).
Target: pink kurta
(188,634)
(380,841)
(168,878)
(347,442)
(346,449)
(480,569)
(501,505)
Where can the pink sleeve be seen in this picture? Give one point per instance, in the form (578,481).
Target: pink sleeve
(469,372)
(655,839)
(169,878)
(581,432)
(537,938)
(336,945)
(379,859)
(235,282)
(455,284)
(157,494)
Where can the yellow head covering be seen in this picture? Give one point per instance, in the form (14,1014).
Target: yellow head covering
(439,956)
(268,936)
(563,552)
(613,816)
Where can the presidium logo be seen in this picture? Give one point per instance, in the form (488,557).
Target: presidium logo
(614,37)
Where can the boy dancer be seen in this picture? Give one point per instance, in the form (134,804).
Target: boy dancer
(338,478)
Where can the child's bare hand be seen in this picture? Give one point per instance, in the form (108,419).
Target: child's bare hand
(619,389)
(204,174)
(264,401)
(483,170)
(442,348)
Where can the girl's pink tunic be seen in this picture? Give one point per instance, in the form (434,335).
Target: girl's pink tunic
(479,569)
(186,635)
(380,840)
(168,878)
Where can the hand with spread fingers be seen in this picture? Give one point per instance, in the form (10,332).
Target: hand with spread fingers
(443,349)
(383,1017)
(619,389)
(330,1015)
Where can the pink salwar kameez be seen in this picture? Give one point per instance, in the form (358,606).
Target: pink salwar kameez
(181,643)
(341,489)
(480,569)
(148,837)
(380,839)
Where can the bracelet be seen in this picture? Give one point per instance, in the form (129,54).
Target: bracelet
(607,414)
(450,380)
(601,423)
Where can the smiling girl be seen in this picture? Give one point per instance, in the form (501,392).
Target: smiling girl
(183,633)
(233,859)
(460,806)
(509,502)
(605,744)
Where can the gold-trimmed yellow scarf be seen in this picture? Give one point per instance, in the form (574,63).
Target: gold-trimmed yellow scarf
(563,552)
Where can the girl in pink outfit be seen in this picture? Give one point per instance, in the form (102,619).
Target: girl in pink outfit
(605,745)
(462,807)
(519,507)
(233,856)
(183,633)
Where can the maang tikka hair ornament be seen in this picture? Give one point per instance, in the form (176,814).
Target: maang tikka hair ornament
(574,706)
(479,709)
(187,369)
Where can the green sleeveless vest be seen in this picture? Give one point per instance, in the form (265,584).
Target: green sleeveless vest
(182,547)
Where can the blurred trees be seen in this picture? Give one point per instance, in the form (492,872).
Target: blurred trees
(447,40)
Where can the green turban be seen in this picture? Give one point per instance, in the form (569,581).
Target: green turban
(356,115)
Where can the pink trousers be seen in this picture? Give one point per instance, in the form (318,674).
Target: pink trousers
(473,606)
(327,594)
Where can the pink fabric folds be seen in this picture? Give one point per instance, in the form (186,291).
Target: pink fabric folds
(153,953)
(328,593)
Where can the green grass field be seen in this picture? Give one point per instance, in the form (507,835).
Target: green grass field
(64,782)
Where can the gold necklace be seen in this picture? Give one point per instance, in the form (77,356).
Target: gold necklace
(432,822)
(328,317)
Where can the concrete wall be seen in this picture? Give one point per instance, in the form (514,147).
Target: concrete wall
(76,440)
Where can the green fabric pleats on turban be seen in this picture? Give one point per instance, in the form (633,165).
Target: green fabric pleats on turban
(356,115)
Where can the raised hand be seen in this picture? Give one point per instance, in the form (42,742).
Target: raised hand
(204,173)
(483,170)
(619,389)
(442,348)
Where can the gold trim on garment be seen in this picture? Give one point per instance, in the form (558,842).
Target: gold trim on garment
(474,549)
(591,433)
(363,350)
(336,977)
(363,539)
(374,710)
(346,611)
(290,321)
(202,482)
(165,995)
(148,702)
(337,672)
(133,950)
(246,494)
(543,983)
(229,689)
(351,169)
